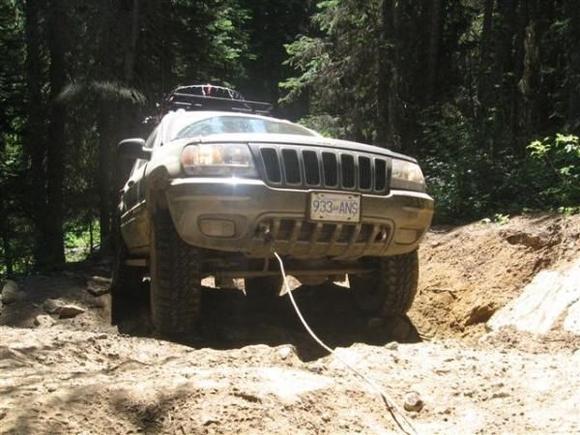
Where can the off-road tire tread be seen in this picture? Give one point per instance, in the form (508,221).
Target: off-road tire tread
(400,275)
(175,280)
(395,283)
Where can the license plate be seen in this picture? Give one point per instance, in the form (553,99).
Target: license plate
(334,207)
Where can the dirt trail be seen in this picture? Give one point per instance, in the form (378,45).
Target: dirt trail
(258,372)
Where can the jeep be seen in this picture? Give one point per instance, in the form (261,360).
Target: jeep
(219,186)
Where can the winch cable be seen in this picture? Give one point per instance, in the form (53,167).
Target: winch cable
(398,416)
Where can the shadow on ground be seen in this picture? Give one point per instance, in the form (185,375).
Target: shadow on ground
(229,320)
(232,320)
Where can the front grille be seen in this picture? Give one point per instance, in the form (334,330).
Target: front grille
(313,168)
(301,237)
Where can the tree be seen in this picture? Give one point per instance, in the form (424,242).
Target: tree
(56,147)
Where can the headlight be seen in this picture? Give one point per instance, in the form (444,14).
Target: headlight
(218,160)
(407,176)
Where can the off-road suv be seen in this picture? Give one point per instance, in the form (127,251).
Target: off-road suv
(218,187)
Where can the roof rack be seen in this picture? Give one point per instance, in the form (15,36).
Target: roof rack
(210,97)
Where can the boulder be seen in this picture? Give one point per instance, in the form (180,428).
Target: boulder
(572,320)
(44,321)
(97,287)
(11,293)
(551,294)
(51,306)
(69,311)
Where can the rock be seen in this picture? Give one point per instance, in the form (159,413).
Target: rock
(62,309)
(572,320)
(97,289)
(542,301)
(413,402)
(11,293)
(69,311)
(480,314)
(530,240)
(393,345)
(44,321)
(51,306)
(285,352)
(101,280)
(209,419)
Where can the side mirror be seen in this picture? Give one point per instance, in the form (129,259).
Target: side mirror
(133,149)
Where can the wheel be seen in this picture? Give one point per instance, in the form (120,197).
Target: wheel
(263,288)
(391,290)
(128,292)
(175,280)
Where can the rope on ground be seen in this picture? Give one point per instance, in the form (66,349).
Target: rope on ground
(398,416)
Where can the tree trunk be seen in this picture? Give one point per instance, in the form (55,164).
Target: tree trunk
(506,124)
(34,134)
(5,230)
(484,60)
(131,48)
(573,70)
(56,135)
(104,178)
(434,47)
(388,102)
(529,73)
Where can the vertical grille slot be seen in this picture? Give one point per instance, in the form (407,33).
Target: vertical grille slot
(311,168)
(380,174)
(364,171)
(291,166)
(272,165)
(347,162)
(329,164)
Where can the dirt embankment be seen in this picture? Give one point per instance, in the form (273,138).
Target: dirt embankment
(469,272)
(63,369)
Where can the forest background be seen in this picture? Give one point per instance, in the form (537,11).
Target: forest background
(485,93)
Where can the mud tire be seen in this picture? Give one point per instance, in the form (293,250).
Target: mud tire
(175,280)
(391,290)
(128,291)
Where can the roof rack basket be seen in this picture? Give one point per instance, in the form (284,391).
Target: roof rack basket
(210,97)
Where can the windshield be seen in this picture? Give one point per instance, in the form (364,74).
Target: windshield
(240,124)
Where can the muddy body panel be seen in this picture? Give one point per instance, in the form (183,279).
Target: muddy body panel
(256,218)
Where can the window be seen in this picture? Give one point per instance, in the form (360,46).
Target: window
(240,124)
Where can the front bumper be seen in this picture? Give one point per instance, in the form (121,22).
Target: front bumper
(260,218)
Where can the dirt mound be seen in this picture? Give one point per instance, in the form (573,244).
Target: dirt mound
(62,374)
(468,273)
(56,381)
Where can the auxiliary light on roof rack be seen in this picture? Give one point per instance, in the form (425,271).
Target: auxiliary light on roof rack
(209,97)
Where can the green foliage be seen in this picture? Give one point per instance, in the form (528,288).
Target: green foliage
(337,68)
(326,125)
(555,168)
(465,104)
(463,97)
(81,239)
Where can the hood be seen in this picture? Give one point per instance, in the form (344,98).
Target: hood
(291,139)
